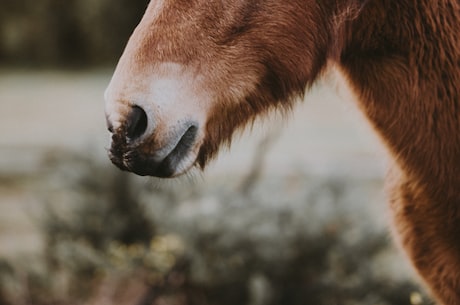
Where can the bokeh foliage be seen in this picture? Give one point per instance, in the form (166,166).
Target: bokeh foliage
(66,33)
(108,241)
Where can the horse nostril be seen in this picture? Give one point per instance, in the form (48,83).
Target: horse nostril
(136,124)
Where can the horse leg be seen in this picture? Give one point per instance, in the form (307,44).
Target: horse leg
(429,232)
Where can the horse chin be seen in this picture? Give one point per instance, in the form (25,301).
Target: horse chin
(166,169)
(144,165)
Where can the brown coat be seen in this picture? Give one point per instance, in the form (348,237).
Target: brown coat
(400,57)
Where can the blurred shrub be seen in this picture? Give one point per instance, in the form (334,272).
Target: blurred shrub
(66,33)
(106,245)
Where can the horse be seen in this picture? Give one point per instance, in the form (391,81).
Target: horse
(195,71)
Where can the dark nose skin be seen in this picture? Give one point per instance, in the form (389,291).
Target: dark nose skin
(136,123)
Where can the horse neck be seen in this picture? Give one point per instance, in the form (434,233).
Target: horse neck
(406,78)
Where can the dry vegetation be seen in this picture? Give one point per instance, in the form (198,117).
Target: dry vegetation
(112,239)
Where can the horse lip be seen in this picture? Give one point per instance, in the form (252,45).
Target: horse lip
(184,138)
(164,164)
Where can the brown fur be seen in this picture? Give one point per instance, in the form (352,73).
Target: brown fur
(401,58)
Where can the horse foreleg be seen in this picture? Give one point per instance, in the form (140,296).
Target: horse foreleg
(429,232)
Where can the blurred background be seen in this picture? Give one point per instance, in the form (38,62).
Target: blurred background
(293,214)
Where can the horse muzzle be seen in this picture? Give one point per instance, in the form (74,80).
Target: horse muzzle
(141,147)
